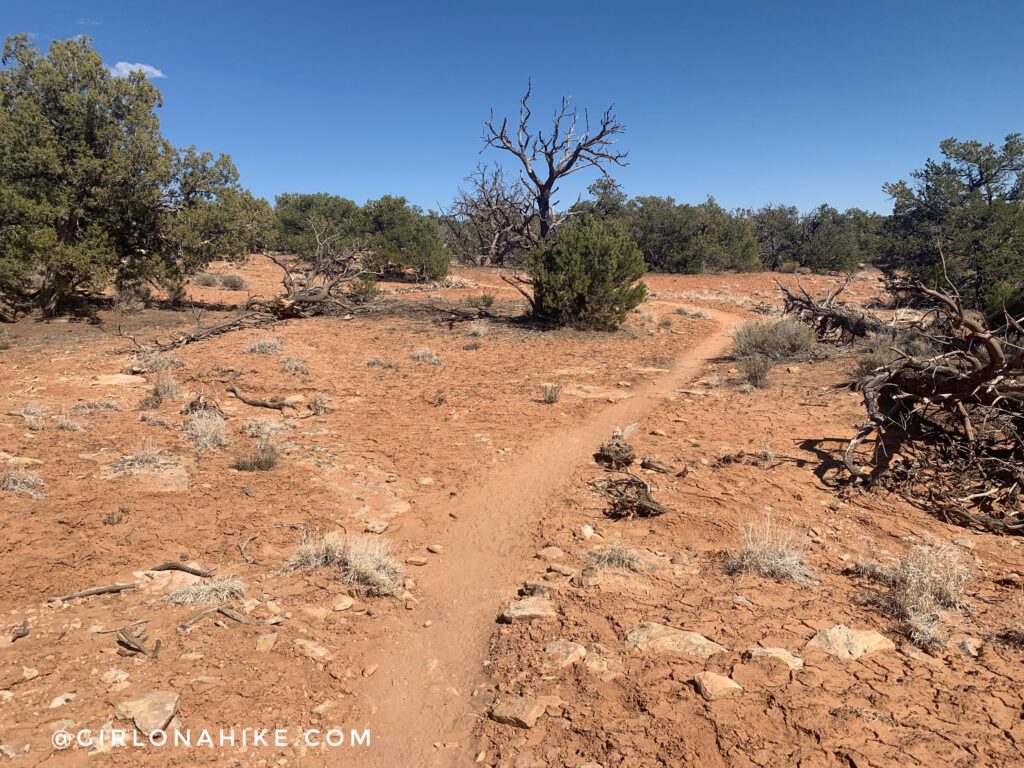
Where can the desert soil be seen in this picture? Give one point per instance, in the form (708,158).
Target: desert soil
(479,487)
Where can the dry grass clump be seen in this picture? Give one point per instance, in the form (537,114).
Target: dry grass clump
(928,580)
(695,313)
(95,405)
(775,339)
(473,345)
(262,458)
(262,428)
(66,424)
(617,557)
(550,393)
(665,322)
(265,346)
(364,562)
(208,591)
(425,356)
(152,362)
(294,365)
(147,457)
(166,387)
(481,301)
(20,482)
(34,417)
(478,328)
(156,421)
(755,369)
(205,429)
(233,282)
(379,362)
(206,279)
(318,404)
(769,551)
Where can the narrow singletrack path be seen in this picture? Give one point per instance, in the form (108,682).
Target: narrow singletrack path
(421,693)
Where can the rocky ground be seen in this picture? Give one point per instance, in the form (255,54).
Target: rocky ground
(512,640)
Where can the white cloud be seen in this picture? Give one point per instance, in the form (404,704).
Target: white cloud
(123,68)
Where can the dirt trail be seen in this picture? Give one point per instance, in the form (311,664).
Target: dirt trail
(421,694)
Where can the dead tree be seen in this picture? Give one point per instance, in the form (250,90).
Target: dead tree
(567,149)
(491,221)
(314,284)
(949,428)
(831,320)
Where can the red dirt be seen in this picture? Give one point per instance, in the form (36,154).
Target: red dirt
(466,456)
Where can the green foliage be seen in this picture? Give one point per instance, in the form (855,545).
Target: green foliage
(587,277)
(402,237)
(90,190)
(971,206)
(398,236)
(295,212)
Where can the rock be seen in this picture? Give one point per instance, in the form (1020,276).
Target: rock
(845,643)
(518,711)
(713,686)
(416,561)
(560,569)
(659,639)
(563,653)
(376,526)
(315,611)
(149,711)
(965,543)
(538,589)
(369,670)
(780,655)
(971,646)
(426,481)
(325,707)
(191,656)
(658,432)
(265,643)
(586,578)
(112,676)
(120,380)
(741,600)
(550,552)
(343,603)
(435,549)
(64,698)
(313,650)
(587,531)
(527,609)
(6,695)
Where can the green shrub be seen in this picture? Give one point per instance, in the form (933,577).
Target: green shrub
(233,282)
(587,277)
(362,290)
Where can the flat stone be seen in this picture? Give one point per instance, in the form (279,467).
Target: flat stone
(120,380)
(780,655)
(426,481)
(64,698)
(550,553)
(312,650)
(712,685)
(112,676)
(971,646)
(845,643)
(563,653)
(149,711)
(435,549)
(518,711)
(587,531)
(527,609)
(659,639)
(376,526)
(343,603)
(416,560)
(265,643)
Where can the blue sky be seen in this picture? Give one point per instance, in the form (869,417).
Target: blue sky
(795,102)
